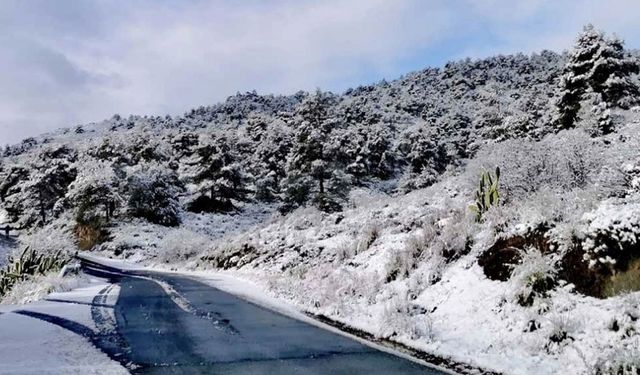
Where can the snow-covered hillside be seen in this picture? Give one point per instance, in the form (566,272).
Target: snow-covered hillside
(357,206)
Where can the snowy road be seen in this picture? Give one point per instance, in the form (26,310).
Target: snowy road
(165,323)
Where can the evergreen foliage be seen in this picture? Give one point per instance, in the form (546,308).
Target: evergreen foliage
(153,195)
(311,149)
(598,65)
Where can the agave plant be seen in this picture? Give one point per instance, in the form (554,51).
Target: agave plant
(28,264)
(487,194)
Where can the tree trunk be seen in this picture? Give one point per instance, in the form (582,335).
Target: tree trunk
(42,213)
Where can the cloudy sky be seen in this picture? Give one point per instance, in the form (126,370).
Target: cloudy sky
(69,62)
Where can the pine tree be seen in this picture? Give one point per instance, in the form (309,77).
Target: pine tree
(229,186)
(368,152)
(184,144)
(426,158)
(568,105)
(379,155)
(610,74)
(599,65)
(267,161)
(311,159)
(217,177)
(257,125)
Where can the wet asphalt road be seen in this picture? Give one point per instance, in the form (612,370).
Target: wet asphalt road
(202,330)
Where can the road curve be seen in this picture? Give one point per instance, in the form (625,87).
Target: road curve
(170,324)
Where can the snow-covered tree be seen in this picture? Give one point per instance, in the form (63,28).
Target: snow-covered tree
(184,144)
(96,194)
(311,159)
(257,125)
(215,177)
(34,195)
(426,158)
(597,64)
(267,163)
(368,151)
(153,195)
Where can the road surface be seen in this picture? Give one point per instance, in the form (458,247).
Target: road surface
(171,324)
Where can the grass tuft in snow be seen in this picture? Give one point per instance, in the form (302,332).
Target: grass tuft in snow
(30,263)
(625,362)
(534,277)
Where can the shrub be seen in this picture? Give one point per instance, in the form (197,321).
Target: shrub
(345,250)
(561,329)
(181,244)
(612,234)
(534,277)
(452,239)
(403,261)
(153,195)
(91,233)
(400,318)
(369,235)
(624,281)
(620,362)
(28,264)
(559,163)
(231,255)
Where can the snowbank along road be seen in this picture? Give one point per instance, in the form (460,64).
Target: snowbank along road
(165,323)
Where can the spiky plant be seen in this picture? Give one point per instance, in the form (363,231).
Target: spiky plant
(487,194)
(29,263)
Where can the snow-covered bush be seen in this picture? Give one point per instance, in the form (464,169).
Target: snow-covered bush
(346,249)
(403,261)
(398,318)
(153,195)
(369,235)
(182,244)
(27,265)
(395,319)
(533,278)
(612,233)
(38,287)
(231,255)
(427,274)
(620,362)
(452,236)
(304,218)
(560,163)
(53,238)
(562,326)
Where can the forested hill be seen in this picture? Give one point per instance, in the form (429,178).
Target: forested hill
(307,148)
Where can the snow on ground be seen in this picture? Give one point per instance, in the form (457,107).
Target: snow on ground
(405,267)
(32,346)
(339,265)
(29,346)
(39,287)
(139,240)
